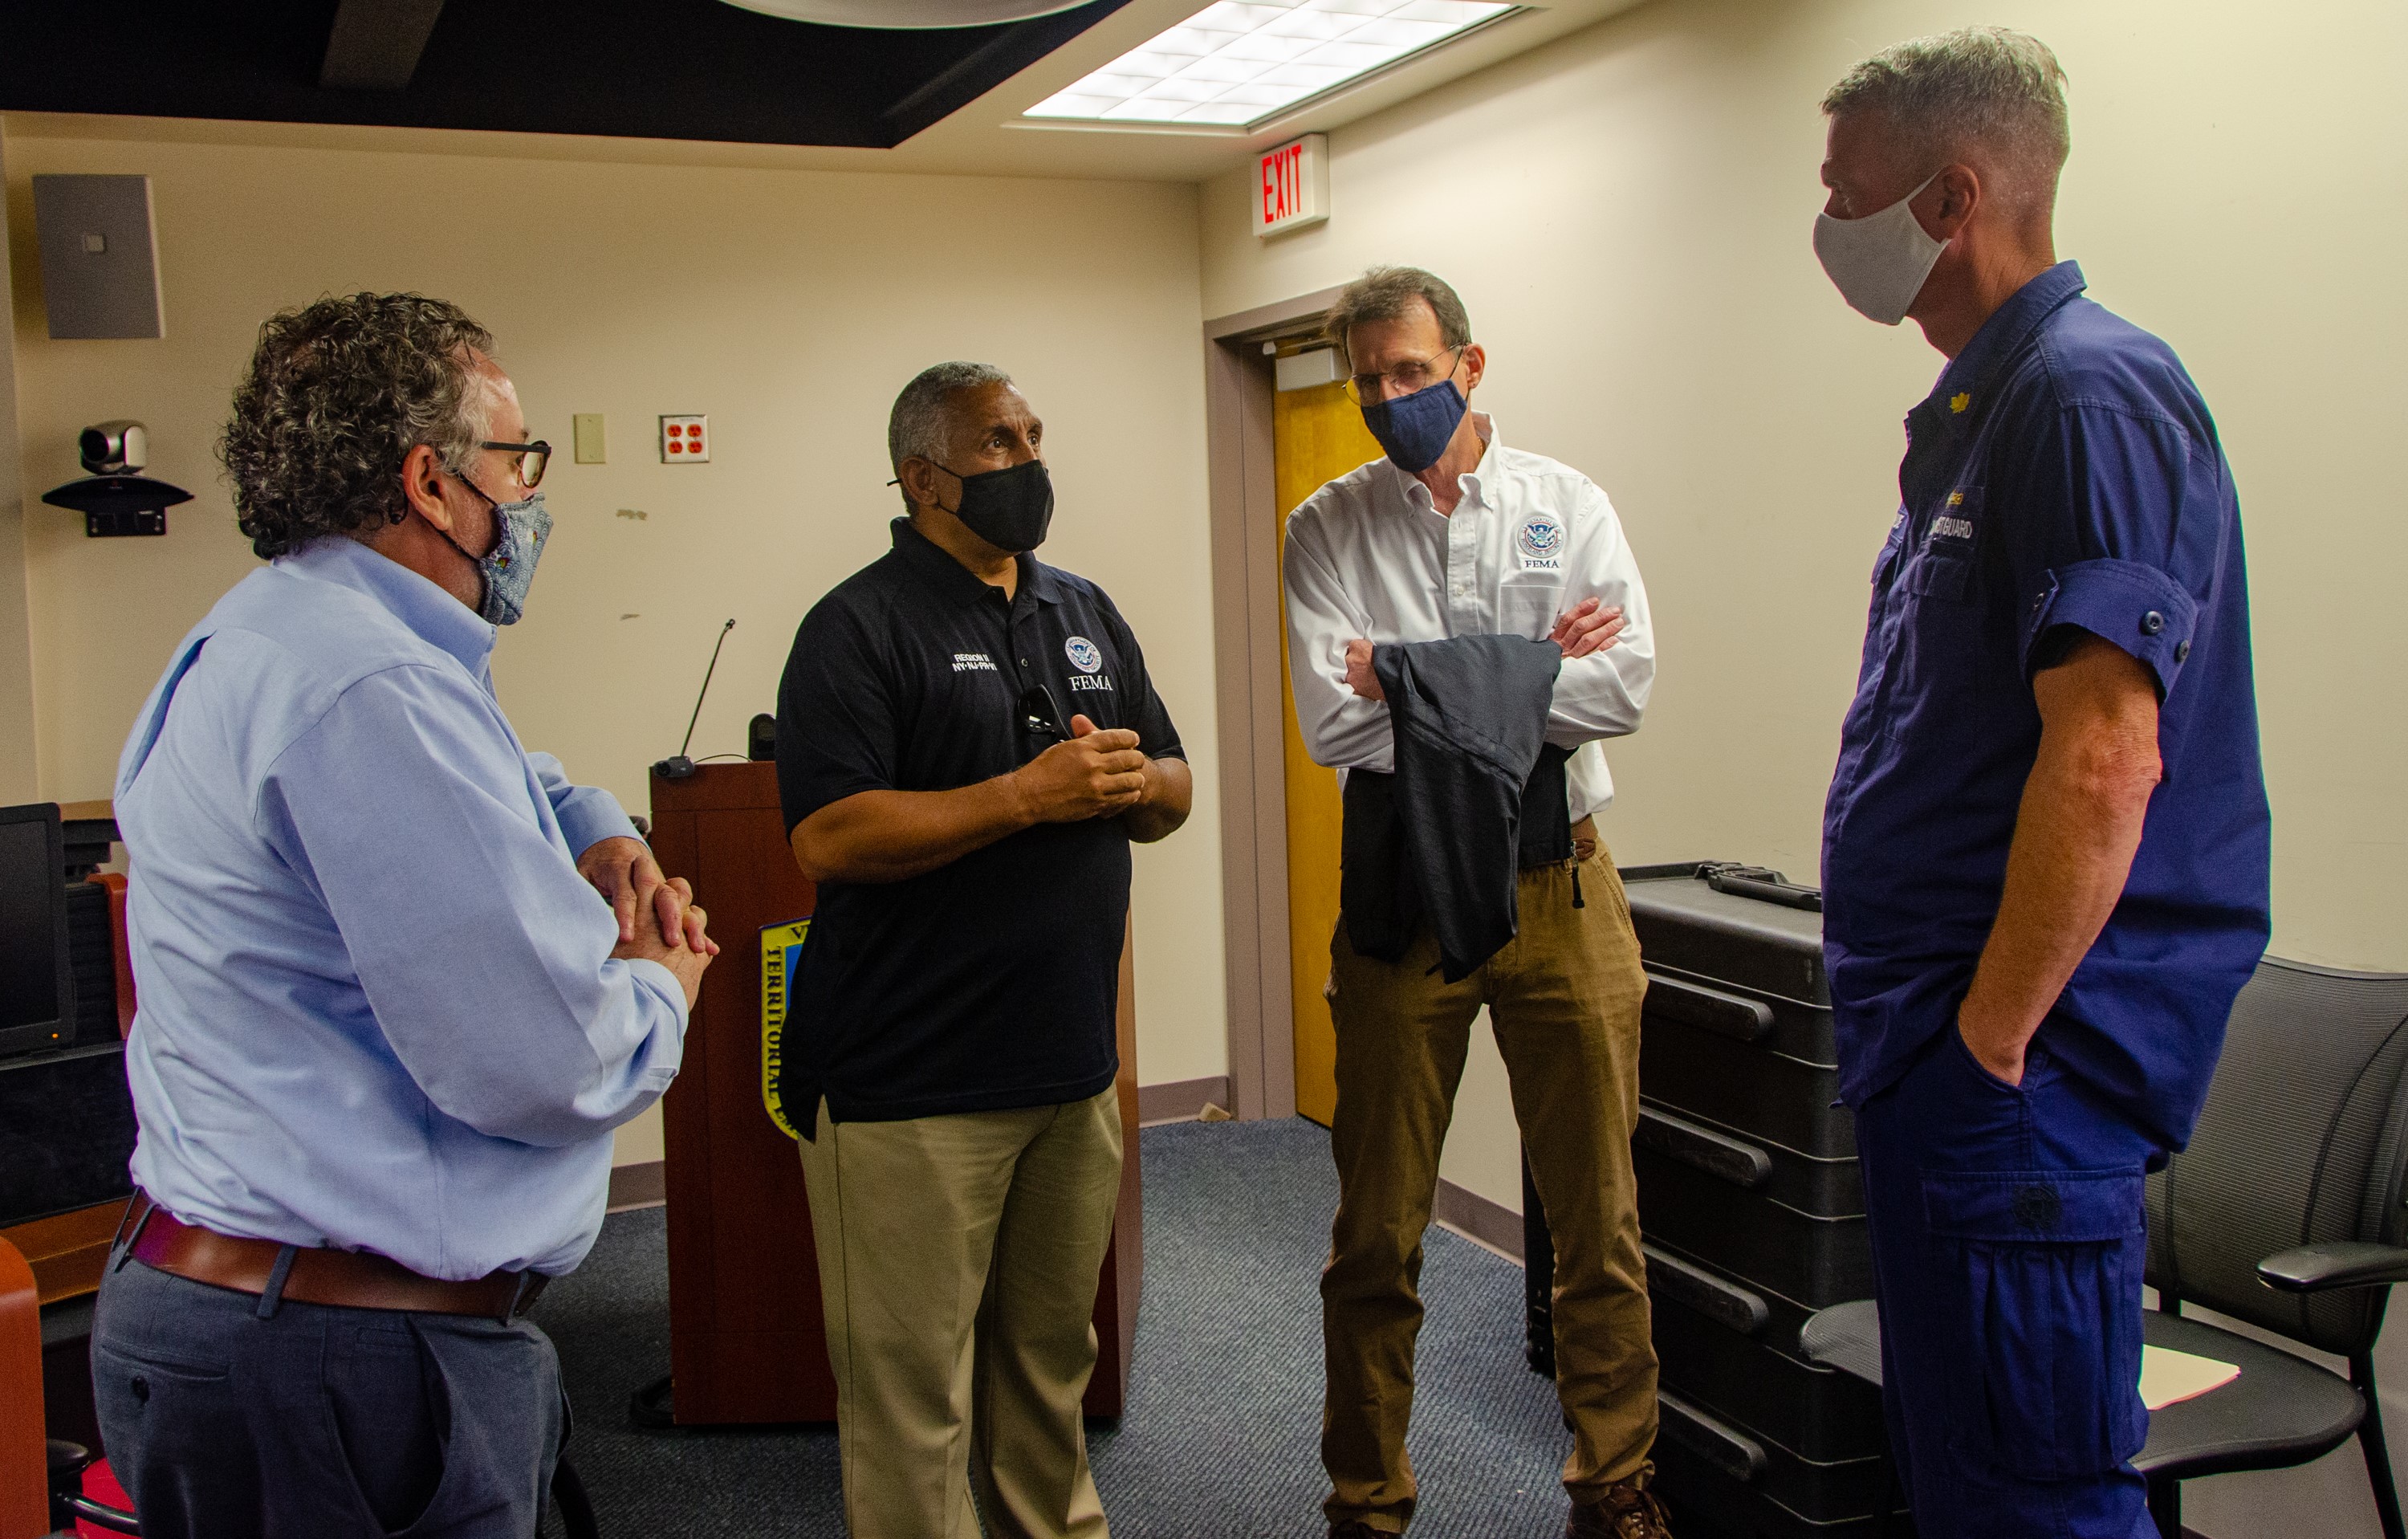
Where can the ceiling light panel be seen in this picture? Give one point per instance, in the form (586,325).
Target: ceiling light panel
(1242,61)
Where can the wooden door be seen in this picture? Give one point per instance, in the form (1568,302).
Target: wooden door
(1317,435)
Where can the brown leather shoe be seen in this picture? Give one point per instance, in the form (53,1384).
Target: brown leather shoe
(1628,1510)
(1351,1530)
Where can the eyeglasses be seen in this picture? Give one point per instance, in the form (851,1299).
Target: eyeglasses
(1040,713)
(528,460)
(1412,375)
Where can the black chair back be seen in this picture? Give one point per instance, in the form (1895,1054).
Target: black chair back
(2304,1140)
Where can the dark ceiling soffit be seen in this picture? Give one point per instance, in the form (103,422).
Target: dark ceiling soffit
(587,68)
(376,44)
(1012,50)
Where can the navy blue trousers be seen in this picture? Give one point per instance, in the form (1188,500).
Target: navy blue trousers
(2008,1237)
(317,1422)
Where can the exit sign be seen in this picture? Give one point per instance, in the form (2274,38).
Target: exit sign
(1292,185)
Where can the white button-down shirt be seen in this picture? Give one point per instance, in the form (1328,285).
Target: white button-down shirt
(1370,555)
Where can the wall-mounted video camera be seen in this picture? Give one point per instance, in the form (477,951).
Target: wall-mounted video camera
(117,500)
(115,449)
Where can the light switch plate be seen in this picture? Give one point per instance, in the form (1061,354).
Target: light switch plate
(586,429)
(685,441)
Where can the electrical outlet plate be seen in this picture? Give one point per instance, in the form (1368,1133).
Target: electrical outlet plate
(685,441)
(586,427)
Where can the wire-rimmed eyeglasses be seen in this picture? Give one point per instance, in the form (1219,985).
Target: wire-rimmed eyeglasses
(1411,375)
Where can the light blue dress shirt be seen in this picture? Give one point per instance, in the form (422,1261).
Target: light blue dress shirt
(379,1009)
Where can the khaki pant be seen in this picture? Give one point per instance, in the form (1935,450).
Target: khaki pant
(958,1261)
(1564,997)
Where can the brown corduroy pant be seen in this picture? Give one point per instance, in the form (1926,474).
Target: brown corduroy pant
(1564,997)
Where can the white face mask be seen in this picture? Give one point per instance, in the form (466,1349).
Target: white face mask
(1879,262)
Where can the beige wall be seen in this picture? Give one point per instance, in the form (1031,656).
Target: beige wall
(1627,215)
(789,304)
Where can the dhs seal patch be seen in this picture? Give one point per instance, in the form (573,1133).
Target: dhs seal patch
(1539,540)
(1084,655)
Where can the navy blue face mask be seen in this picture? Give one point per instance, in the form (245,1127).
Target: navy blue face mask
(1415,429)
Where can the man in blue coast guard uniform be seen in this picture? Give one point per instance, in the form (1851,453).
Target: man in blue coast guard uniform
(387,1021)
(2045,846)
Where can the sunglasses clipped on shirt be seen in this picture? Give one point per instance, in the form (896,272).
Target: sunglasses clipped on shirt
(1041,714)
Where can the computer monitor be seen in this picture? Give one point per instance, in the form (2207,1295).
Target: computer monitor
(37,977)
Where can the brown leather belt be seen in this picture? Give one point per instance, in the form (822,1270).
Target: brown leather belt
(350,1279)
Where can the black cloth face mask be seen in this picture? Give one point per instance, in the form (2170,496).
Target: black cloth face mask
(1010,509)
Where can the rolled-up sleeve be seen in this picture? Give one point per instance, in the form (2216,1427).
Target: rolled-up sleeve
(1341,729)
(2104,495)
(1604,694)
(484,958)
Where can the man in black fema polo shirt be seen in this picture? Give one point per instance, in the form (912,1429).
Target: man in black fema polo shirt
(967,744)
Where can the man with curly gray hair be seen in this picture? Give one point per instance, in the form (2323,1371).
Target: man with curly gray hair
(2045,847)
(388,1014)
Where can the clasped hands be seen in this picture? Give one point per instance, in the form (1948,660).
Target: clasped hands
(623,871)
(1587,628)
(1094,772)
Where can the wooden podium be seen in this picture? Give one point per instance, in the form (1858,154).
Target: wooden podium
(747,1340)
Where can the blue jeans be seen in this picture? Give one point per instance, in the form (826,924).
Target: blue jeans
(317,1422)
(2008,1243)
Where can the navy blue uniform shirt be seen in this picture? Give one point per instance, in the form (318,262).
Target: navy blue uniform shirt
(2064,477)
(993,981)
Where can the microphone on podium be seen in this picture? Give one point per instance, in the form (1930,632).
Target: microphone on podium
(676,766)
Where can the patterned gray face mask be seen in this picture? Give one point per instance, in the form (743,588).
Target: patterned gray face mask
(520,530)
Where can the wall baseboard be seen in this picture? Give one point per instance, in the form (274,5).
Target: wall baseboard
(1180,1099)
(1479,1219)
(640,1185)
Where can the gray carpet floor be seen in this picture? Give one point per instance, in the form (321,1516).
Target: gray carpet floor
(1221,1437)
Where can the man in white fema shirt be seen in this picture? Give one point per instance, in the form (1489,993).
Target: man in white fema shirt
(1454,534)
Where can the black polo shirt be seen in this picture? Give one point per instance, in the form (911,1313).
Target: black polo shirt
(991,982)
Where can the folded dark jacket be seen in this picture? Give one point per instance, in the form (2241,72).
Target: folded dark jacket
(1477,793)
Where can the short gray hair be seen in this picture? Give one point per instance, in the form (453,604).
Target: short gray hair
(915,429)
(1387,293)
(1980,86)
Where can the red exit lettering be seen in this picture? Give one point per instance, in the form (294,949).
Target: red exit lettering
(1283,198)
(1283,182)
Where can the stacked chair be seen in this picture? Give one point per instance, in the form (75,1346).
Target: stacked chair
(1752,1212)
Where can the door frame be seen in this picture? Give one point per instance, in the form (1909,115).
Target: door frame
(1246,623)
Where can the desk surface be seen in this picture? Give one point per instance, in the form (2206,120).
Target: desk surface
(67,1250)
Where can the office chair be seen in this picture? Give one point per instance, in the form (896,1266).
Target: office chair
(2287,1213)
